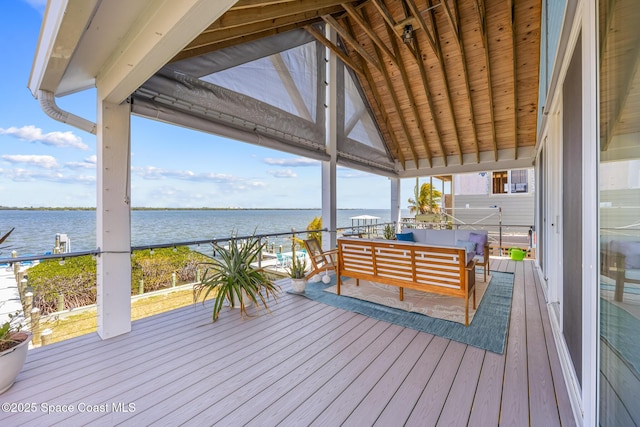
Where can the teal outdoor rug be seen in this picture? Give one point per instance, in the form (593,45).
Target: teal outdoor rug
(620,330)
(487,331)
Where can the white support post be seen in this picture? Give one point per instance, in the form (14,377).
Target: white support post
(113,219)
(329,214)
(395,202)
(590,212)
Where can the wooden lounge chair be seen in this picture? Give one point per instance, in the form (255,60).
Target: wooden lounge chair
(320,261)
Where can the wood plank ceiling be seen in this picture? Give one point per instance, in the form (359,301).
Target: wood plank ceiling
(449,81)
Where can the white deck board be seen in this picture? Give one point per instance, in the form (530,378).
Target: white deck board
(304,364)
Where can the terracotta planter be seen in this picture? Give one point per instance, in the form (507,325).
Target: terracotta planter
(11,363)
(298,285)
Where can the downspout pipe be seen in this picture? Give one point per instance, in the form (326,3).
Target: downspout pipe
(48,104)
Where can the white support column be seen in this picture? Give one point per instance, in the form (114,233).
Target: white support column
(113,219)
(329,214)
(395,202)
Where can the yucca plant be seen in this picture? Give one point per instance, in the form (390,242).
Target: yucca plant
(231,277)
(298,268)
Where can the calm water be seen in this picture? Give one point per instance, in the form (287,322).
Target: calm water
(36,230)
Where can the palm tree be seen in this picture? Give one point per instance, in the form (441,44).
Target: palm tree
(425,201)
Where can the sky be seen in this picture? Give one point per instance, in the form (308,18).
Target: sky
(45,163)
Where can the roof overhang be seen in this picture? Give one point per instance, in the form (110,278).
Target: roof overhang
(459,95)
(114,45)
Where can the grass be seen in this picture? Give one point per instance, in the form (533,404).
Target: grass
(86,322)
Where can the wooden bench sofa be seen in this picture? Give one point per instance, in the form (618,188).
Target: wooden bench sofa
(438,269)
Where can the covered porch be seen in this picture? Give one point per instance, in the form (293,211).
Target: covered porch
(305,363)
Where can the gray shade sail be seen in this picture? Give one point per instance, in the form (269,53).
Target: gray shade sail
(270,92)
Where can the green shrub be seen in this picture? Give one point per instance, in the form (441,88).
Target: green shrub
(76,279)
(156,269)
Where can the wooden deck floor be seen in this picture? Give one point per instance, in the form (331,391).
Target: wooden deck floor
(305,364)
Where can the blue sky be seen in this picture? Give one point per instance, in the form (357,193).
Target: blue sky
(47,163)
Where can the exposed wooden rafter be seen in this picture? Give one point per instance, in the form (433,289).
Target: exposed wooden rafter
(396,104)
(412,101)
(454,20)
(512,26)
(384,12)
(394,145)
(434,42)
(355,15)
(339,52)
(347,38)
(236,17)
(456,84)
(211,37)
(482,20)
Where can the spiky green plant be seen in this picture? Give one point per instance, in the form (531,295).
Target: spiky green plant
(231,277)
(10,332)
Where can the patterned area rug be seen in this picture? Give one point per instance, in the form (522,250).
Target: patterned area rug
(426,303)
(488,330)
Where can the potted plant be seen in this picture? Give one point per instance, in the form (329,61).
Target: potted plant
(14,344)
(231,277)
(389,232)
(297,273)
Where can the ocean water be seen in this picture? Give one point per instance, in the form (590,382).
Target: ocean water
(35,230)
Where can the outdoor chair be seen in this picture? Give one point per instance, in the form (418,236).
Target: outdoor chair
(321,261)
(282,260)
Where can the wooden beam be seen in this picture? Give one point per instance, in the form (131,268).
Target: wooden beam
(237,17)
(424,77)
(454,21)
(222,34)
(412,101)
(512,22)
(396,104)
(185,54)
(482,20)
(355,15)
(393,146)
(347,38)
(245,4)
(384,12)
(432,37)
(339,52)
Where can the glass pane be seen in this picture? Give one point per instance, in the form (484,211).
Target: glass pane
(500,182)
(619,177)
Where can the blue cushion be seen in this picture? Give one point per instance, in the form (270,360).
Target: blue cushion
(480,240)
(468,246)
(405,237)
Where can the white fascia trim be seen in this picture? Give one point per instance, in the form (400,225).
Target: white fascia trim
(506,160)
(62,28)
(160,33)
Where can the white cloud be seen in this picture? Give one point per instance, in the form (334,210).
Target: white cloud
(286,173)
(45,162)
(351,174)
(57,139)
(296,162)
(234,182)
(38,5)
(23,175)
(88,163)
